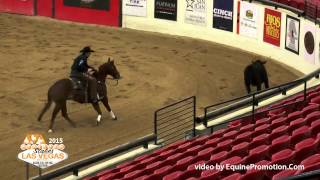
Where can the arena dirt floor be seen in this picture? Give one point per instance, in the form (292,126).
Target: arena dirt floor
(157,70)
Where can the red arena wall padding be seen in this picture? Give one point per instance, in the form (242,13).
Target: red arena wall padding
(88,15)
(25,7)
(45,8)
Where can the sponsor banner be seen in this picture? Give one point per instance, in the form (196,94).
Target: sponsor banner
(309,43)
(223,15)
(292,34)
(272,27)
(196,12)
(248,19)
(91,4)
(36,151)
(135,7)
(166,9)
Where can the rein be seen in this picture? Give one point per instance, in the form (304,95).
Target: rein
(117,81)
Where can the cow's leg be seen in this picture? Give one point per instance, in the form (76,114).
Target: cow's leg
(266,83)
(259,87)
(97,108)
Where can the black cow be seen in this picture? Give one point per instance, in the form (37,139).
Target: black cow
(255,74)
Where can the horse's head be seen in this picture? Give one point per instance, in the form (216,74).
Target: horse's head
(109,68)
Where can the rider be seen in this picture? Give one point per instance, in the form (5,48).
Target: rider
(80,69)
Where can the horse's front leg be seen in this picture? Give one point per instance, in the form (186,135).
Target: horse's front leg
(106,104)
(97,108)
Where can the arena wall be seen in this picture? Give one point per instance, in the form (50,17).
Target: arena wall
(25,7)
(45,8)
(207,32)
(99,14)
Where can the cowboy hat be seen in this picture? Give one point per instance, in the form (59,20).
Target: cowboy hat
(86,49)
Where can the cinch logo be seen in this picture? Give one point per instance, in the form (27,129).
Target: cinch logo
(222,12)
(37,152)
(87,1)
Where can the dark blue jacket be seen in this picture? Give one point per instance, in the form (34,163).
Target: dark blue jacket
(80,65)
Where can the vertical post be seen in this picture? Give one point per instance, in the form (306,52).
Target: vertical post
(40,172)
(253,104)
(155,127)
(205,122)
(53,13)
(35,7)
(27,171)
(315,18)
(305,7)
(305,90)
(194,115)
(120,13)
(75,172)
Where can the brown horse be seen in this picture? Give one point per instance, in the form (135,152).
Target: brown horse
(63,90)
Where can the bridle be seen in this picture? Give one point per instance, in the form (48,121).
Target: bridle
(112,79)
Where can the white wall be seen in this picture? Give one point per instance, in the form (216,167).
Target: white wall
(257,46)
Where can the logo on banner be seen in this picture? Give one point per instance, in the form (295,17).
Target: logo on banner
(166,9)
(36,151)
(248,20)
(309,43)
(196,12)
(87,1)
(223,15)
(249,14)
(91,4)
(135,7)
(272,27)
(190,4)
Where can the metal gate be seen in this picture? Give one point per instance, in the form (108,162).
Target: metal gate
(175,121)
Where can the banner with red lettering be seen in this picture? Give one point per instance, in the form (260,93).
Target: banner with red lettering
(272,27)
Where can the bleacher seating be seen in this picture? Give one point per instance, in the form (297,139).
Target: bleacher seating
(287,136)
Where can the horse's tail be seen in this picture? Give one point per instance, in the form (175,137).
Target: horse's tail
(45,108)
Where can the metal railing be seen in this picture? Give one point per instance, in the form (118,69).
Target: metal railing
(76,166)
(310,11)
(172,122)
(308,175)
(254,98)
(280,5)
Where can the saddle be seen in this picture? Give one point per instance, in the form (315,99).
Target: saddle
(81,90)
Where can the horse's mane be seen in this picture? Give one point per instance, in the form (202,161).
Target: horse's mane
(101,73)
(103,66)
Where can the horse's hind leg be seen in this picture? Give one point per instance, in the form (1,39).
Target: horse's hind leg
(56,109)
(106,104)
(97,108)
(46,107)
(65,114)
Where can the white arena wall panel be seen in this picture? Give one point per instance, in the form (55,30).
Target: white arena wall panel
(257,46)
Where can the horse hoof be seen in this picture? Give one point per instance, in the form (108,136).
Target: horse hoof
(97,123)
(115,118)
(50,131)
